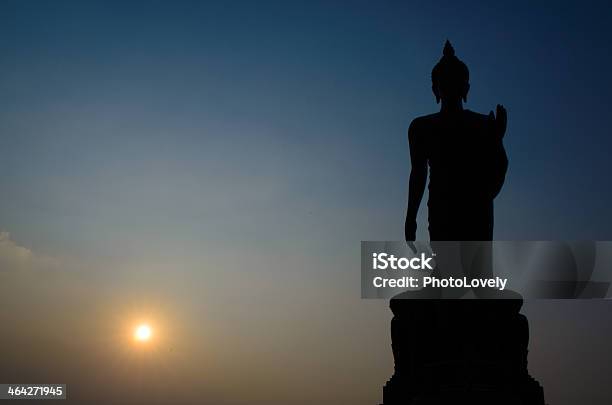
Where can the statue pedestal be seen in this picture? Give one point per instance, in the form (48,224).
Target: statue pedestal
(460,351)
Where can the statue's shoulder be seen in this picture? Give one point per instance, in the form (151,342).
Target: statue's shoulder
(476,117)
(422,123)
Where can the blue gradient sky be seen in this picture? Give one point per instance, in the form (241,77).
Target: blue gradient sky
(147,138)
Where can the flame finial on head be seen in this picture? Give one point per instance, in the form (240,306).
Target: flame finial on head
(448,51)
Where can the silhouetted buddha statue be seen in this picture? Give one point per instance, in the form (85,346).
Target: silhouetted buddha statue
(466,158)
(467,350)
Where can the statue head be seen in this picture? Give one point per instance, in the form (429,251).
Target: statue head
(450,78)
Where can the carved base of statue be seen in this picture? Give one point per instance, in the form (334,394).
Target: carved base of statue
(460,351)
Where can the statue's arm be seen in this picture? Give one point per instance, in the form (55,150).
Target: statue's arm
(418,179)
(498,124)
(499,175)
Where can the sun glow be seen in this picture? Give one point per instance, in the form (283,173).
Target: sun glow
(143,333)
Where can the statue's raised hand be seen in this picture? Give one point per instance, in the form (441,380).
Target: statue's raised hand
(499,120)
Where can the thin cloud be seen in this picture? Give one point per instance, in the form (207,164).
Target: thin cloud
(14,257)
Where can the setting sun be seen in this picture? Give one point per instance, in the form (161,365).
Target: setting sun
(143,333)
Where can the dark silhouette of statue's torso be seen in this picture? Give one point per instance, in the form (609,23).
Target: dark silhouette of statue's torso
(467,164)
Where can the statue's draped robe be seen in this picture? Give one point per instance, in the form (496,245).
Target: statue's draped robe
(467,166)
